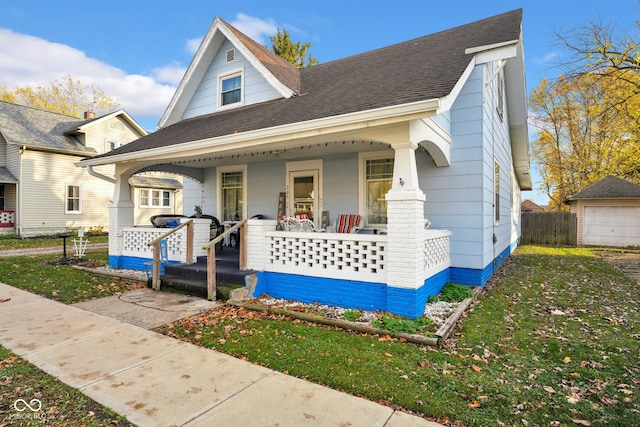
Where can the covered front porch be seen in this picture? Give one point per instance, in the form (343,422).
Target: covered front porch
(395,264)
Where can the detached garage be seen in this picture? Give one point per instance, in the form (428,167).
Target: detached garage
(608,213)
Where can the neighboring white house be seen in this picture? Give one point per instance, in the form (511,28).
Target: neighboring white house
(41,190)
(435,127)
(608,213)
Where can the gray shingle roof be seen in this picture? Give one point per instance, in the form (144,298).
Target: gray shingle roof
(610,187)
(154,182)
(39,128)
(417,70)
(7,177)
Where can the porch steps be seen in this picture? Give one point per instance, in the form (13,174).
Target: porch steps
(192,278)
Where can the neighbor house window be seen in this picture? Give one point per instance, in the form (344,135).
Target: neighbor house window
(155,198)
(112,145)
(232,195)
(376,177)
(231,89)
(496,191)
(1,197)
(73,199)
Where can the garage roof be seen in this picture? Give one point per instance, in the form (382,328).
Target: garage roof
(610,187)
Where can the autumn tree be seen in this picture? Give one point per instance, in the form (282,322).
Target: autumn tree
(296,53)
(588,119)
(580,138)
(64,96)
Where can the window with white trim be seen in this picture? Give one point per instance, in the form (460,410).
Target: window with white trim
(232,194)
(112,145)
(155,198)
(73,199)
(376,177)
(231,89)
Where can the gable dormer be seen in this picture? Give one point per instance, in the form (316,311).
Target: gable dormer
(230,70)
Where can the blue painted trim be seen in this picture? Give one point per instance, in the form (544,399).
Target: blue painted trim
(475,277)
(349,293)
(132,262)
(308,289)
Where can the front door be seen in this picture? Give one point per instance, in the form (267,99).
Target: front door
(303,190)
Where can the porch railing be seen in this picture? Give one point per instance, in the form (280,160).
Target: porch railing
(7,218)
(211,255)
(333,255)
(155,244)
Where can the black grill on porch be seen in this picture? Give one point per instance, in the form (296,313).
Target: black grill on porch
(192,278)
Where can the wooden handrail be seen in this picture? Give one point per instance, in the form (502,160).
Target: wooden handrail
(211,256)
(155,243)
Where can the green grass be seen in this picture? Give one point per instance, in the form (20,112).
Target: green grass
(62,283)
(60,405)
(16,242)
(553,341)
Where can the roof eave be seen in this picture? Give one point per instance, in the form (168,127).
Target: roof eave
(310,128)
(33,147)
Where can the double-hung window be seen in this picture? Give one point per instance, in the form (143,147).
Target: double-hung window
(232,195)
(155,198)
(73,199)
(376,177)
(231,89)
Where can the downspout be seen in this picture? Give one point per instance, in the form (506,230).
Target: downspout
(100,176)
(19,193)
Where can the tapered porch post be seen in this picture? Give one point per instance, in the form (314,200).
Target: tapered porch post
(405,234)
(120,216)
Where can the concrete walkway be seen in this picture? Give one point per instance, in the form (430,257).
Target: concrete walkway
(155,380)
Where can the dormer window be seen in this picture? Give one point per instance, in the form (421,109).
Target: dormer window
(231,89)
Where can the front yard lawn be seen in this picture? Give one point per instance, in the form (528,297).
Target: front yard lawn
(553,341)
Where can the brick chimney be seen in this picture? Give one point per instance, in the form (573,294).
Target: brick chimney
(89,115)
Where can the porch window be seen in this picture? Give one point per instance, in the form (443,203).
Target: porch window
(73,199)
(378,177)
(231,89)
(154,198)
(232,192)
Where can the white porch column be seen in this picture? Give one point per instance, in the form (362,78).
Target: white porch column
(405,229)
(120,216)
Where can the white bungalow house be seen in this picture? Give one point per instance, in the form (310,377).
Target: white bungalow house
(433,129)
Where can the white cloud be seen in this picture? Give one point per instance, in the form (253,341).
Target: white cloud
(29,60)
(171,74)
(258,29)
(193,45)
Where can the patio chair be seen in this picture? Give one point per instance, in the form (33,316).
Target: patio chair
(297,224)
(164,260)
(347,223)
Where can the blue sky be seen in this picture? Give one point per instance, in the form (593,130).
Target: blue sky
(137,51)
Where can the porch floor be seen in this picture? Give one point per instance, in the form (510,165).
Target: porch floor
(192,278)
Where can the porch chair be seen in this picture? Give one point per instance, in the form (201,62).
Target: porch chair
(299,223)
(164,260)
(347,223)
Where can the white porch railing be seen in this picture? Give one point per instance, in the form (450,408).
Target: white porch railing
(135,241)
(361,257)
(333,255)
(436,251)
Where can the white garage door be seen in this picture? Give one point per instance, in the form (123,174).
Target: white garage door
(611,226)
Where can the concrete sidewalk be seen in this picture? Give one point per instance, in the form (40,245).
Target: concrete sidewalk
(155,380)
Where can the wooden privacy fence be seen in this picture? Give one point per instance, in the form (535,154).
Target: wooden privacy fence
(549,228)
